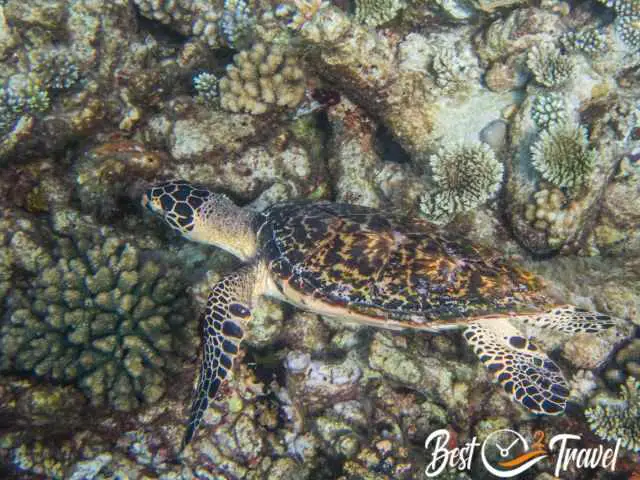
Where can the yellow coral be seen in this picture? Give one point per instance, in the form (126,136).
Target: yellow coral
(261,79)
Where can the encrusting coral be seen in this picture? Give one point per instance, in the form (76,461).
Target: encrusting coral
(263,78)
(88,308)
(465,176)
(562,155)
(619,419)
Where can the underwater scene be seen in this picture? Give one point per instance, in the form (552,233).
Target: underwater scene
(348,239)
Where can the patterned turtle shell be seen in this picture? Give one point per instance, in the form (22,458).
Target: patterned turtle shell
(375,264)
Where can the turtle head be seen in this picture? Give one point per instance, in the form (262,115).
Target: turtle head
(202,216)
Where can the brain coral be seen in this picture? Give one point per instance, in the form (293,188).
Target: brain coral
(89,309)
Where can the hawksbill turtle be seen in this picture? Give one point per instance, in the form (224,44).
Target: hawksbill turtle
(367,266)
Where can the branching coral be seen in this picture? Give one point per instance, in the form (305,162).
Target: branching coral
(590,41)
(548,110)
(198,18)
(238,22)
(623,7)
(206,84)
(89,309)
(263,78)
(628,27)
(29,93)
(619,420)
(628,21)
(466,176)
(450,71)
(549,66)
(377,12)
(562,156)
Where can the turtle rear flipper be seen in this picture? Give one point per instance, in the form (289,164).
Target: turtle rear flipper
(524,371)
(227,314)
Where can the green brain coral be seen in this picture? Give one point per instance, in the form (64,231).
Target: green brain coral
(91,310)
(465,176)
(562,156)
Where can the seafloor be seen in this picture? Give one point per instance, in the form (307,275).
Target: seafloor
(513,124)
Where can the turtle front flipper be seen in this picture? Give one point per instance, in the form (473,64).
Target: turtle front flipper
(228,312)
(524,371)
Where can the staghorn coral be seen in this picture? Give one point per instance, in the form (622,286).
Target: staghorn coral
(549,66)
(465,177)
(261,79)
(562,156)
(548,110)
(619,419)
(87,308)
(377,12)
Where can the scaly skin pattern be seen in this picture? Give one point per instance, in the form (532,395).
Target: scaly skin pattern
(364,265)
(369,262)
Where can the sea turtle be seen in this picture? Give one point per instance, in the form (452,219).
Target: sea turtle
(367,266)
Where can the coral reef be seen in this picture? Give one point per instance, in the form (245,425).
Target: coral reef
(465,176)
(197,18)
(591,41)
(107,175)
(206,84)
(548,110)
(549,66)
(374,102)
(93,312)
(551,213)
(562,156)
(264,78)
(377,12)
(237,22)
(615,420)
